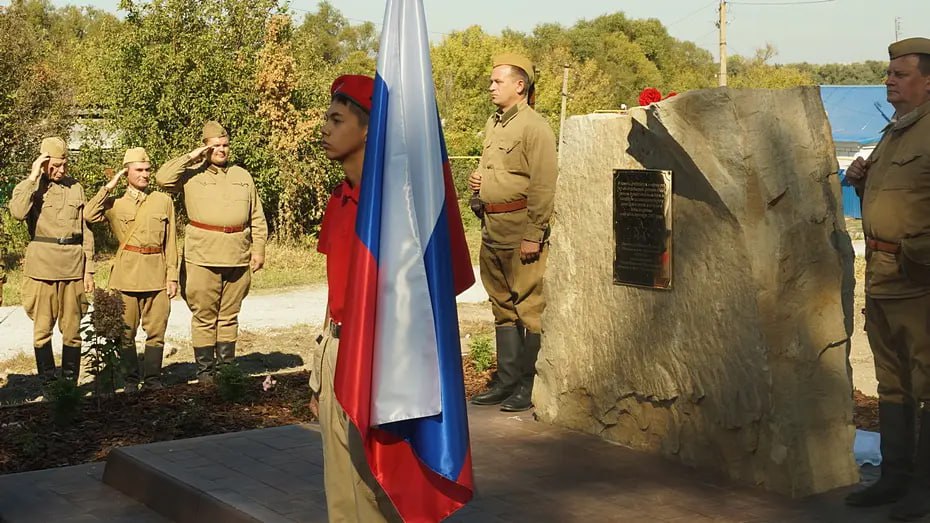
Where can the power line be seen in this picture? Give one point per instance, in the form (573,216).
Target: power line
(692,13)
(802,2)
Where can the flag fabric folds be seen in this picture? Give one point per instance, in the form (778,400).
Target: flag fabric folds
(399,372)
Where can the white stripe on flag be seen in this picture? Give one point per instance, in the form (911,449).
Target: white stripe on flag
(405,384)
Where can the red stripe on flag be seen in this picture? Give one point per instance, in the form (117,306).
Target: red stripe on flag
(355,361)
(418,493)
(462,275)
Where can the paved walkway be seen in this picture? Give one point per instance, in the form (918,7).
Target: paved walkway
(525,471)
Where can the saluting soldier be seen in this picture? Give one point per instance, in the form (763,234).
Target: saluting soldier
(58,266)
(894,184)
(224,243)
(145,268)
(515,181)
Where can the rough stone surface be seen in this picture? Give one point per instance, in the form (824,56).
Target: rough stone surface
(742,366)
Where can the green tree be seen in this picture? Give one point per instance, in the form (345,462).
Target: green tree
(332,37)
(305,174)
(758,73)
(35,98)
(461,68)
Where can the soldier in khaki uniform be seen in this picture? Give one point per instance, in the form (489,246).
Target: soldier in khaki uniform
(145,269)
(515,183)
(224,243)
(59,264)
(894,184)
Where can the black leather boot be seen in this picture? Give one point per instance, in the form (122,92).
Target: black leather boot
(522,398)
(896,425)
(205,358)
(916,504)
(151,367)
(225,352)
(130,360)
(70,362)
(509,349)
(45,362)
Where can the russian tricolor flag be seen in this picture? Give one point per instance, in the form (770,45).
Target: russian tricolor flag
(399,372)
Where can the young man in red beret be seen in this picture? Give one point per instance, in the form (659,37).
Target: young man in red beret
(352,494)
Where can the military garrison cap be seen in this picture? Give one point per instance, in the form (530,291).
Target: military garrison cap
(213,129)
(136,154)
(356,87)
(54,147)
(517,60)
(909,46)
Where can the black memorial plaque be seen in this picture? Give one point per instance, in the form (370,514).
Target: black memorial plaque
(643,228)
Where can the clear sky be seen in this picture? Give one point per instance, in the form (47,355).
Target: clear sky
(837,31)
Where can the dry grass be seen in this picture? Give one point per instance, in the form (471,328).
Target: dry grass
(290,266)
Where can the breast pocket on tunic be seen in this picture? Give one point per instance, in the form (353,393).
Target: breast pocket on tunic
(510,154)
(156,223)
(240,191)
(906,171)
(73,209)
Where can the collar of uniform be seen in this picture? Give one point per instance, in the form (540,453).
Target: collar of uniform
(134,193)
(505,117)
(911,118)
(350,192)
(216,169)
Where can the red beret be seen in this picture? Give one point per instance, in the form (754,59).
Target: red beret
(356,87)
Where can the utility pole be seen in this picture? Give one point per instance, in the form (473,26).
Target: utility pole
(897,28)
(722,24)
(564,103)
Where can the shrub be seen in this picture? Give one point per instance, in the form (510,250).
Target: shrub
(481,352)
(232,383)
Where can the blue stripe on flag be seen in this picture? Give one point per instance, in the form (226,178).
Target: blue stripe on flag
(368,222)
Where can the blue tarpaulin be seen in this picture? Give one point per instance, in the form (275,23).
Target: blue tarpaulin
(857,113)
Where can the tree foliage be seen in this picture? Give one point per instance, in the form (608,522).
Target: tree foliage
(167,66)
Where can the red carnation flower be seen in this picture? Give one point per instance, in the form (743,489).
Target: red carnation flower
(649,95)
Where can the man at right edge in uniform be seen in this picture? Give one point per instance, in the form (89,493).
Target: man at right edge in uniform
(515,182)
(894,184)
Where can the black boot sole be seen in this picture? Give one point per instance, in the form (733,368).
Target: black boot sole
(485,403)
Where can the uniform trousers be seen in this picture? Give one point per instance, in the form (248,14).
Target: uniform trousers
(214,295)
(899,335)
(47,302)
(352,493)
(151,309)
(514,286)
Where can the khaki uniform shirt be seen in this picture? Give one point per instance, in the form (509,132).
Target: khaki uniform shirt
(54,210)
(150,219)
(519,161)
(896,201)
(224,197)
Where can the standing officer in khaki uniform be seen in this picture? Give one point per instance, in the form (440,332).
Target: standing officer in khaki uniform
(224,243)
(59,264)
(145,269)
(516,184)
(894,184)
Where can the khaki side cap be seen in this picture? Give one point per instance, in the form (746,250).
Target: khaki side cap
(517,60)
(136,154)
(54,147)
(213,129)
(909,46)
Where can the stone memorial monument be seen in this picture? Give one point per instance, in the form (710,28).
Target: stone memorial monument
(738,361)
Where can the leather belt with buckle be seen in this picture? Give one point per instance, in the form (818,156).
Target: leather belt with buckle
(71,240)
(496,208)
(218,228)
(879,245)
(142,250)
